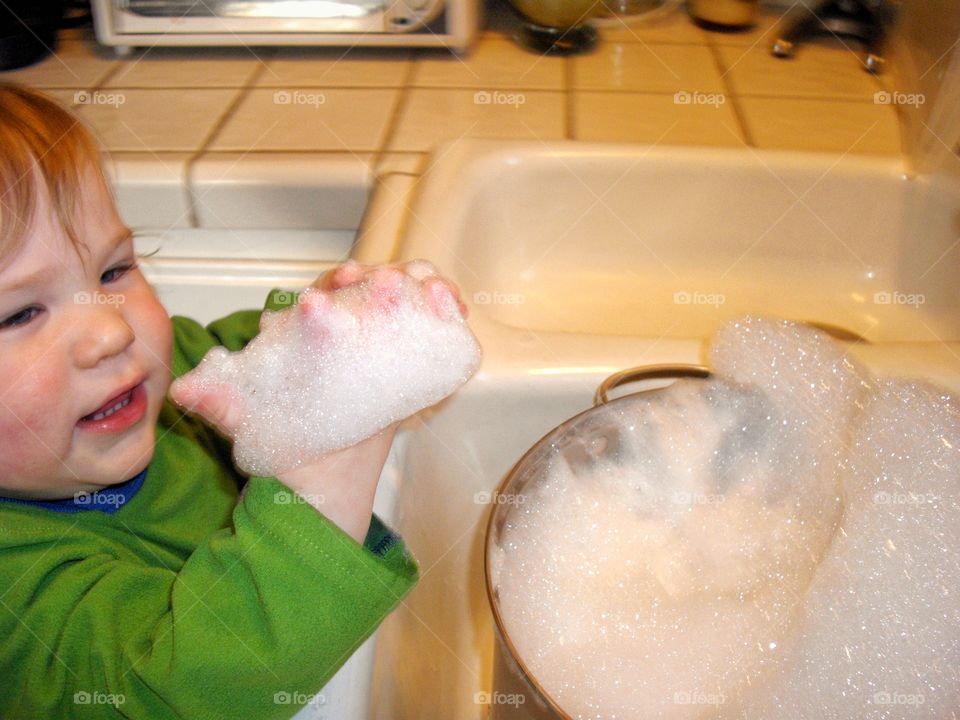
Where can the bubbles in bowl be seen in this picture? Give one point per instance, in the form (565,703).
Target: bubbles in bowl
(700,563)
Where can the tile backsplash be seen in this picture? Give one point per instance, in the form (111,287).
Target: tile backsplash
(183,126)
(664,82)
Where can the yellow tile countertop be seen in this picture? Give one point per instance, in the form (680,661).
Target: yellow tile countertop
(177,121)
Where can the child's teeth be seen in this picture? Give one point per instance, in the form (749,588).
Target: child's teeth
(110,411)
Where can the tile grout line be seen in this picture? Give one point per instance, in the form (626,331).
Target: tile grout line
(748,95)
(466,88)
(399,106)
(738,111)
(149,88)
(112,70)
(241,94)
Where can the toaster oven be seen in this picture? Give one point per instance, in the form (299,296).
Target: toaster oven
(125,24)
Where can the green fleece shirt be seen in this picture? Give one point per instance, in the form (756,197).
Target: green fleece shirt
(194,599)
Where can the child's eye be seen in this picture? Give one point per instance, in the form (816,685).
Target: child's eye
(21,317)
(115,273)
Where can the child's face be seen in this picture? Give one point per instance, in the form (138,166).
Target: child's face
(84,356)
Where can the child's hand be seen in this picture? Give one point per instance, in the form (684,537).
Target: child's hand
(436,288)
(363,348)
(316,397)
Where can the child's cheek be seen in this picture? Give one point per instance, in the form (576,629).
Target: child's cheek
(38,404)
(163,336)
(28,427)
(155,331)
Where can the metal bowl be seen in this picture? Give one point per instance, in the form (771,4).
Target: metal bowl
(512,679)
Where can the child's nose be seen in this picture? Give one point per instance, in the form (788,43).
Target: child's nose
(101,333)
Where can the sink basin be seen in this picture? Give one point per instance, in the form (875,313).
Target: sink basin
(671,242)
(579,260)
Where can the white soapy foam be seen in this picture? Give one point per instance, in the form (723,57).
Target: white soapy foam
(666,575)
(339,366)
(879,636)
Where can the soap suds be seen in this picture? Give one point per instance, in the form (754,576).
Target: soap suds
(715,549)
(339,366)
(879,636)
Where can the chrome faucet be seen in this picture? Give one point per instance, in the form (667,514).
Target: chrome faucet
(863,20)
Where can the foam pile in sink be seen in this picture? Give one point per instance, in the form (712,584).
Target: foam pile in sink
(339,366)
(779,541)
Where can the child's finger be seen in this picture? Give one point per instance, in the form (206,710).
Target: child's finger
(341,276)
(419,269)
(442,296)
(456,296)
(384,277)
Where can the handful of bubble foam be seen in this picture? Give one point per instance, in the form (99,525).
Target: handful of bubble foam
(728,554)
(340,365)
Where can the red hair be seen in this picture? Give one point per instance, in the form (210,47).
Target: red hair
(42,144)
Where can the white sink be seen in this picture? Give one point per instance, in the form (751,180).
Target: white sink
(578,260)
(673,241)
(551,243)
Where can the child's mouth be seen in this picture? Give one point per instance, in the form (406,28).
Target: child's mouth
(100,414)
(118,413)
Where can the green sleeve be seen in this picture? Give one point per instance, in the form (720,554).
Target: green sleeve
(272,605)
(192,340)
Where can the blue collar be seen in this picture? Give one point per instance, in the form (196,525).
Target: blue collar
(108,500)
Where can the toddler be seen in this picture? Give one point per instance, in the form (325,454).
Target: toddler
(141,575)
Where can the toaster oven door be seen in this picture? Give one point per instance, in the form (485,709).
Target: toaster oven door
(272,16)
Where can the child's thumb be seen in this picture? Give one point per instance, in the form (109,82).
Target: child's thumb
(215,403)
